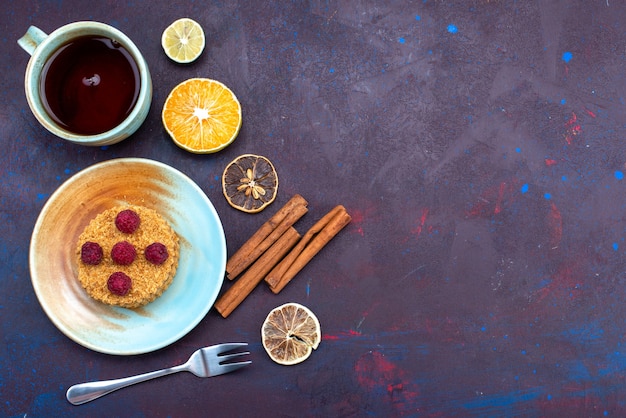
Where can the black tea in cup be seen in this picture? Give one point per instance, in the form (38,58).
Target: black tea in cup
(90,85)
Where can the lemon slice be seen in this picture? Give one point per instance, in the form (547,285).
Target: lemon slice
(250,183)
(290,333)
(202,115)
(183,40)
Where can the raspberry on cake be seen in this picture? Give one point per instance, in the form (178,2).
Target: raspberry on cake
(123,253)
(91,253)
(119,283)
(156,253)
(127,221)
(127,256)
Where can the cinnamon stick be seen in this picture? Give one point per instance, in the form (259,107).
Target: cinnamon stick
(313,241)
(227,303)
(266,235)
(278,272)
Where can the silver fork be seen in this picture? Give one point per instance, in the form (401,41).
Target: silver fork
(205,362)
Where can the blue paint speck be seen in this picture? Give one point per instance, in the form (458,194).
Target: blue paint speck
(563,101)
(567,56)
(615,246)
(401,40)
(418,17)
(332,70)
(547,196)
(619,175)
(518,150)
(524,188)
(483,329)
(564,178)
(549,397)
(452,29)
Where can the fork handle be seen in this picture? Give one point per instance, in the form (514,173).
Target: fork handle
(85,392)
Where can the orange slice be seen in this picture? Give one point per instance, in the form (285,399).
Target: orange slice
(202,115)
(250,183)
(290,333)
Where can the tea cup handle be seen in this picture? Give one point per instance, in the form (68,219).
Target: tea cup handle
(33,37)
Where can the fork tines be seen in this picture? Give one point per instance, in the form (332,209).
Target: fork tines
(225,355)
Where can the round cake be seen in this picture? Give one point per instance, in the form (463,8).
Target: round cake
(127,256)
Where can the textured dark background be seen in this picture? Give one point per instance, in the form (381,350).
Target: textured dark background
(478,145)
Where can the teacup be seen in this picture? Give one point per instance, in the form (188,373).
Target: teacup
(86,82)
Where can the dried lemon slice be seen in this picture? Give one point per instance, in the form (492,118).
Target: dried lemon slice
(250,183)
(183,40)
(290,333)
(202,115)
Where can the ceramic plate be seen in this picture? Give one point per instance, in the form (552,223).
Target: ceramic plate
(198,278)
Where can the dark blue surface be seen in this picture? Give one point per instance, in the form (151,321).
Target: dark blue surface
(478,145)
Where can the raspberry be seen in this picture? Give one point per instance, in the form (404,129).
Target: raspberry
(127,221)
(91,253)
(123,253)
(156,253)
(119,283)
